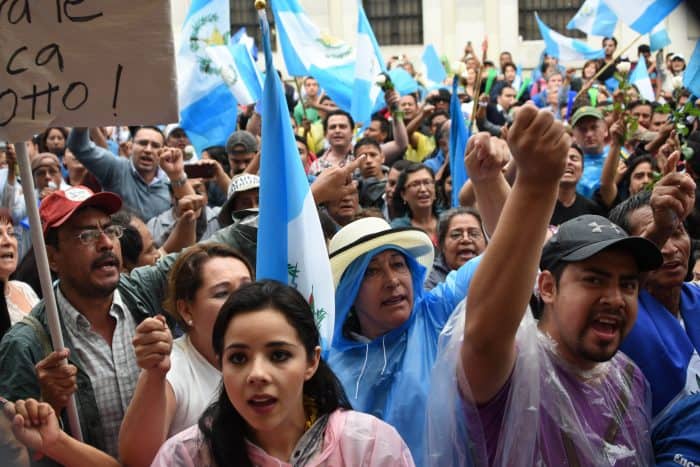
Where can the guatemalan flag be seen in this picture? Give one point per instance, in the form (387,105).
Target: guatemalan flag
(207,107)
(565,48)
(459,135)
(659,38)
(369,64)
(594,18)
(242,37)
(642,15)
(691,75)
(237,68)
(434,71)
(291,245)
(640,78)
(308,51)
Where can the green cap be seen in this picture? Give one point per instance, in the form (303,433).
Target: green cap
(586,111)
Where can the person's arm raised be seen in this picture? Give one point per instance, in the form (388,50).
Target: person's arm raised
(608,187)
(502,285)
(393,150)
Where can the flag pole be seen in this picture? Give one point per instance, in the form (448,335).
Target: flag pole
(301,98)
(42,263)
(607,64)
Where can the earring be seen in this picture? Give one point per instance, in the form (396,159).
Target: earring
(189,323)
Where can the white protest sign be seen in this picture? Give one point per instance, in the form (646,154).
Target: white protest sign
(85,63)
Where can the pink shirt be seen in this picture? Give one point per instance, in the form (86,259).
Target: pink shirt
(351,439)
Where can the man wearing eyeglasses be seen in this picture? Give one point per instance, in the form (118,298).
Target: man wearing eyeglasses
(141,181)
(99,310)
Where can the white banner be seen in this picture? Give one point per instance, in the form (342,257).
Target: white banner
(85,63)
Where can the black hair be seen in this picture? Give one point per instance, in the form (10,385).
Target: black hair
(147,127)
(621,213)
(338,112)
(131,242)
(44,136)
(366,141)
(436,114)
(611,38)
(397,202)
(639,102)
(504,87)
(223,428)
(301,140)
(632,164)
(384,125)
(643,49)
(508,65)
(218,153)
(442,200)
(400,164)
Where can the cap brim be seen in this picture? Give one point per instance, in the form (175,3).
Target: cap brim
(645,253)
(107,202)
(415,241)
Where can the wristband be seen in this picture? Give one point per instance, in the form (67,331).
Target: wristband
(180,182)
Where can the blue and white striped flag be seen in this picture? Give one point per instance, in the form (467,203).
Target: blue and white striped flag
(659,38)
(594,18)
(237,69)
(291,245)
(434,71)
(369,64)
(242,37)
(459,135)
(565,48)
(691,75)
(642,15)
(640,78)
(207,107)
(308,51)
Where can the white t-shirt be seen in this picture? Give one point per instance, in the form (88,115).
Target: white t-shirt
(195,383)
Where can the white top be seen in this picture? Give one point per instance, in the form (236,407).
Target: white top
(16,314)
(195,383)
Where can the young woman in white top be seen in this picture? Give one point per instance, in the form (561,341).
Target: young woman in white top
(172,392)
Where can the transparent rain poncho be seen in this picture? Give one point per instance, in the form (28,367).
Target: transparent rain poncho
(552,414)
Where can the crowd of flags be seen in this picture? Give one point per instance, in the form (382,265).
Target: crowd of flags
(217,71)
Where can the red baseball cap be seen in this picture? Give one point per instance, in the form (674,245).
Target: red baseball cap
(60,205)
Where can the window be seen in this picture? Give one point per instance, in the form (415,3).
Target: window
(244,14)
(554,13)
(395,22)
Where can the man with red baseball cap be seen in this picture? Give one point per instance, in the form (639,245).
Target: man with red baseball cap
(99,310)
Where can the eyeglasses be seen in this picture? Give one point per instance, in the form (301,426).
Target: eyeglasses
(416,184)
(472,234)
(90,236)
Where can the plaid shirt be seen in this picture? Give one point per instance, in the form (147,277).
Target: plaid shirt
(112,368)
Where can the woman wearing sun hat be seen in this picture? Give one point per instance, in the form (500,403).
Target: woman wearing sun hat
(387,325)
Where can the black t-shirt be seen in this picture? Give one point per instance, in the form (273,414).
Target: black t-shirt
(581,206)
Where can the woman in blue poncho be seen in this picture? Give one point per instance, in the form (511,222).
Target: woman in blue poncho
(387,325)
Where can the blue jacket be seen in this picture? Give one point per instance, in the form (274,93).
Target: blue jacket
(117,174)
(389,376)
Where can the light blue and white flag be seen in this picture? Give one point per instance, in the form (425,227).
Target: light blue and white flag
(242,37)
(237,69)
(565,48)
(691,75)
(459,135)
(369,64)
(642,15)
(308,51)
(207,107)
(659,38)
(434,71)
(291,245)
(594,18)
(640,78)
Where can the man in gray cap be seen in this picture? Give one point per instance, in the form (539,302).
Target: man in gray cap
(241,148)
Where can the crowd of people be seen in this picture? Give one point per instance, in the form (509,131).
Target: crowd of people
(551,318)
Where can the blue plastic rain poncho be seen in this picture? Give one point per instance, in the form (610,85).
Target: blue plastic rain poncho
(389,376)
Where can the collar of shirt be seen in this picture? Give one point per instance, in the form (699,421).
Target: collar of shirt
(160,174)
(76,321)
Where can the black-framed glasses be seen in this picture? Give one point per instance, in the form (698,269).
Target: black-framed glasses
(90,236)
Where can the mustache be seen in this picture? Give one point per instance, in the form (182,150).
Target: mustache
(105,257)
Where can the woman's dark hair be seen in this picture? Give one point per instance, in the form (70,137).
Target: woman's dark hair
(443,200)
(4,313)
(632,164)
(222,426)
(398,204)
(43,138)
(447,216)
